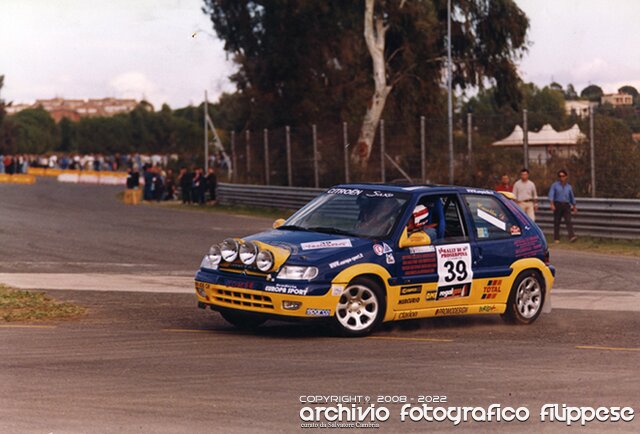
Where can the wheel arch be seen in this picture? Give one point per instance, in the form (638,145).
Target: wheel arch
(371,271)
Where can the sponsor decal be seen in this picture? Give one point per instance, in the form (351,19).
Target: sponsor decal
(409,300)
(345,191)
(488,308)
(285,288)
(479,191)
(424,263)
(451,311)
(483,232)
(515,230)
(379,194)
(432,295)
(454,291)
(489,217)
(422,249)
(454,264)
(337,289)
(527,247)
(409,290)
(342,262)
(407,315)
(327,244)
(243,284)
(491,289)
(378,249)
(381,249)
(318,312)
(390,259)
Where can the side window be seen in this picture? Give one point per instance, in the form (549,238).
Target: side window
(491,219)
(440,217)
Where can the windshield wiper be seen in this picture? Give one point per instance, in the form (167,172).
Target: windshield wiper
(331,231)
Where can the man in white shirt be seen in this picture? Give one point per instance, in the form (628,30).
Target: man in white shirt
(526,195)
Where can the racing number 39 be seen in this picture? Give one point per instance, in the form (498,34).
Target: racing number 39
(454,264)
(455,271)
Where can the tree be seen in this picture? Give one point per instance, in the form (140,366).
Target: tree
(35,132)
(570,93)
(592,93)
(302,61)
(2,110)
(556,86)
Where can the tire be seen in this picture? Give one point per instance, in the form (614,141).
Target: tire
(360,309)
(525,299)
(242,320)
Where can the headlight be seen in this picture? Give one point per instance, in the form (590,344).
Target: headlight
(294,272)
(214,254)
(248,252)
(229,249)
(264,261)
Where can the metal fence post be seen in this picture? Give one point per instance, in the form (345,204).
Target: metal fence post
(247,136)
(345,142)
(234,157)
(470,140)
(316,175)
(423,149)
(289,170)
(592,142)
(382,151)
(206,134)
(266,156)
(525,138)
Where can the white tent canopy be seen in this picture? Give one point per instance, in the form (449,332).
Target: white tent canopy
(545,137)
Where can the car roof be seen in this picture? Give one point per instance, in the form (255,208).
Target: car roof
(416,188)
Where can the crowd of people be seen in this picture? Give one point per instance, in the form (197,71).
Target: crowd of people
(561,199)
(192,186)
(15,164)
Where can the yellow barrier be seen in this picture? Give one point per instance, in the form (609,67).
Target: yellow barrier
(132,196)
(17,179)
(44,171)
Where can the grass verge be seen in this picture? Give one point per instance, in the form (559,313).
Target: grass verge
(20,305)
(599,245)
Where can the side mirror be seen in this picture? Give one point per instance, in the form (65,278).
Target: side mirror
(416,239)
(278,223)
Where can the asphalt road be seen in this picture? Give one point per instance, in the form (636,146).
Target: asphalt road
(153,362)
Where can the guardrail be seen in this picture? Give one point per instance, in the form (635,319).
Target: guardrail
(606,218)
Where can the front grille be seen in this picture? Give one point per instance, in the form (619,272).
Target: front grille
(237,298)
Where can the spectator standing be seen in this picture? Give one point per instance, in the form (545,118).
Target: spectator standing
(505,184)
(563,204)
(199,187)
(147,174)
(169,185)
(158,184)
(1,163)
(526,195)
(212,184)
(186,180)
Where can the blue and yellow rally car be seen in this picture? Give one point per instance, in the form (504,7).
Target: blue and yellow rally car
(361,254)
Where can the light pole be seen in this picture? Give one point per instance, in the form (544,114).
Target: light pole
(449,99)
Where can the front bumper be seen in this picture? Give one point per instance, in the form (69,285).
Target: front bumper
(249,296)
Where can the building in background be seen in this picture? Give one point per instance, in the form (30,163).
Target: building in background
(74,109)
(545,143)
(579,107)
(617,99)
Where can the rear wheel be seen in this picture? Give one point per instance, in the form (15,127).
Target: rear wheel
(525,299)
(242,320)
(360,308)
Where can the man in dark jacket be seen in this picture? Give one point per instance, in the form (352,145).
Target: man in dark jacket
(212,184)
(186,180)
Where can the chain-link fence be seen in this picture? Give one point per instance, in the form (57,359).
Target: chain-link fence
(418,149)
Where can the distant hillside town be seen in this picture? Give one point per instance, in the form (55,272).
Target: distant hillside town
(74,109)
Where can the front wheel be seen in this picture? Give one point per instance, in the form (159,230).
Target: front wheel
(360,308)
(243,321)
(525,299)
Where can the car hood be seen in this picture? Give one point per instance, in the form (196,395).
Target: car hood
(312,248)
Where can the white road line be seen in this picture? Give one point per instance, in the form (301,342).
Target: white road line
(620,301)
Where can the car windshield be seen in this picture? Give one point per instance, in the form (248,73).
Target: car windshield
(350,211)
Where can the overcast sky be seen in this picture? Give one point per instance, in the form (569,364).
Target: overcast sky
(165,50)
